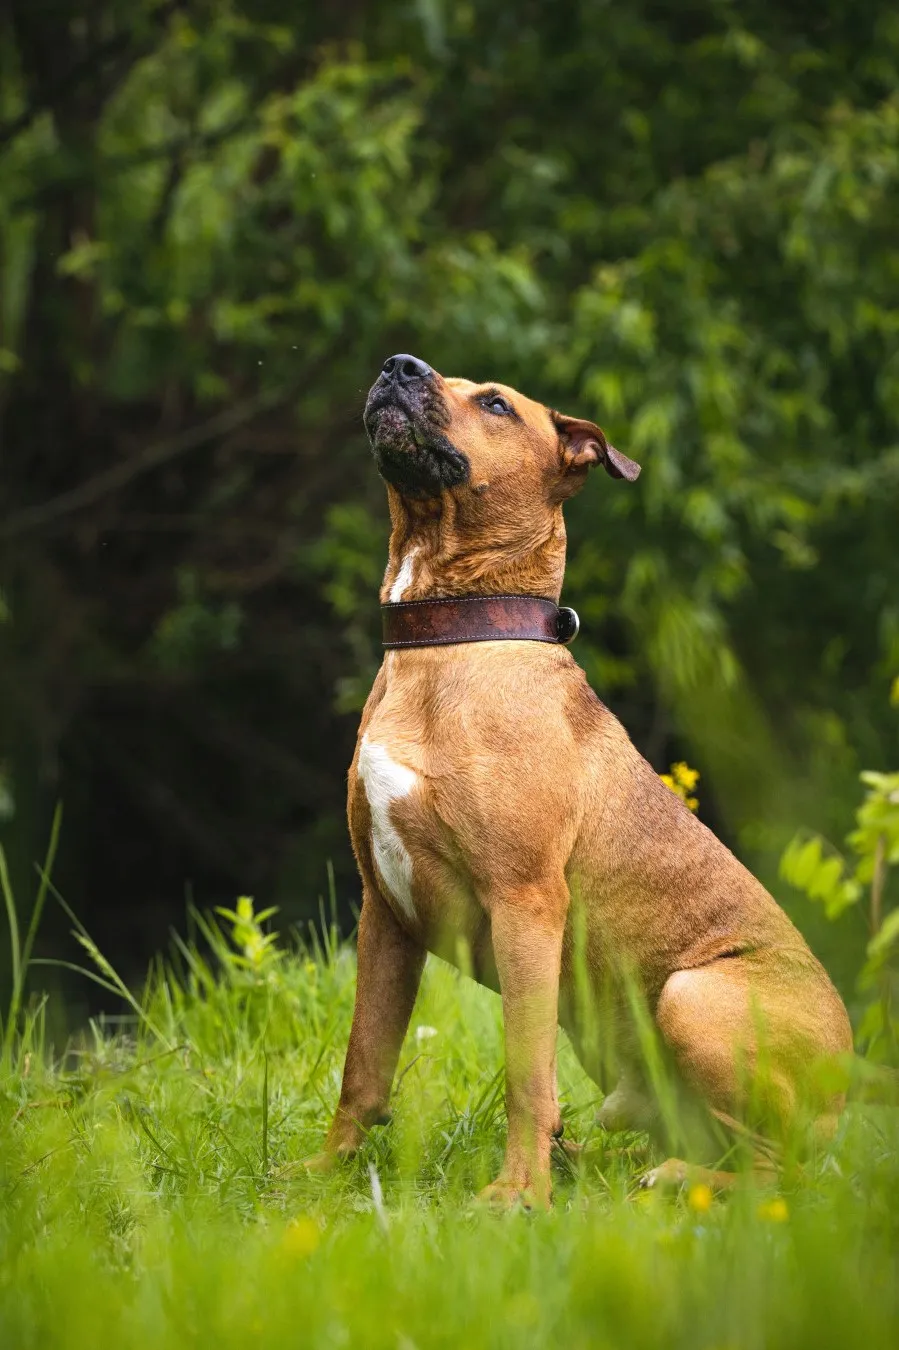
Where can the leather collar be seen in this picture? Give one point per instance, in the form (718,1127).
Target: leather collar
(477,618)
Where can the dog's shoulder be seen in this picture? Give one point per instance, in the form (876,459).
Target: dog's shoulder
(584,710)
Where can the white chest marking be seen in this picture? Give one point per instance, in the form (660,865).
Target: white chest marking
(385,782)
(403,577)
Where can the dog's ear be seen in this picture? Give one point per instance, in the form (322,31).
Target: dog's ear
(583,444)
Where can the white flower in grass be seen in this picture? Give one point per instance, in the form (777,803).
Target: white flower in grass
(424,1033)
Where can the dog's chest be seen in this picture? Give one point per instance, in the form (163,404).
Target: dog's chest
(386,782)
(417,854)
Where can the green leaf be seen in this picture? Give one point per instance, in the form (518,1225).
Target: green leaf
(826,879)
(800,863)
(886,936)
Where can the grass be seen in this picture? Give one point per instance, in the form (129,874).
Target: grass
(150,1192)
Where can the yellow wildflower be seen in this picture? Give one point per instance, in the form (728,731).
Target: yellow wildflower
(687,777)
(775,1210)
(682,780)
(699,1197)
(301,1237)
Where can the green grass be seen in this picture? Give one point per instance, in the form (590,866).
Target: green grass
(150,1193)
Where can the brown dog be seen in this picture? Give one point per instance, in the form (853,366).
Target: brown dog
(498,808)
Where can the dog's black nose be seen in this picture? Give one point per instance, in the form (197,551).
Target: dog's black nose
(403,368)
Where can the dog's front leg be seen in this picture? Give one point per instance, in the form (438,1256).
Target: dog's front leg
(389,972)
(527,928)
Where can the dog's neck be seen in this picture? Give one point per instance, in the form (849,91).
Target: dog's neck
(430,556)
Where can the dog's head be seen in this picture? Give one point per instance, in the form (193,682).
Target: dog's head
(483,443)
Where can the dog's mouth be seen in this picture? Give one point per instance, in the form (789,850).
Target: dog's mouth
(411,449)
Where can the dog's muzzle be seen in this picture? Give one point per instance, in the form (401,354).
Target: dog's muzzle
(405,417)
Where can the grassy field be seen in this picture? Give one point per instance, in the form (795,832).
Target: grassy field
(151,1193)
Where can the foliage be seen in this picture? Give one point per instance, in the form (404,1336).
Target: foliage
(830,880)
(257,951)
(215,222)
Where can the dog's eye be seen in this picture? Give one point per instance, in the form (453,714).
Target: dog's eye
(494,403)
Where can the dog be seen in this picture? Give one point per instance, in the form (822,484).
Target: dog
(502,818)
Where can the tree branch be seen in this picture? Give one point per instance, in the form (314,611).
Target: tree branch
(160,452)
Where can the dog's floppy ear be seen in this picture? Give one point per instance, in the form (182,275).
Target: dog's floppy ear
(584,444)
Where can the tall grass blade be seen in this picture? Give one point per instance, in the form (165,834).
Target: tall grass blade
(15,951)
(112,975)
(264,1112)
(20,968)
(43,873)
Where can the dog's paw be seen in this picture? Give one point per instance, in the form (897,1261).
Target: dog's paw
(329,1158)
(320,1163)
(674,1174)
(669,1175)
(502,1195)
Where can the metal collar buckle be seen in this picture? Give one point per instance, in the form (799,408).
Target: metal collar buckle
(568,625)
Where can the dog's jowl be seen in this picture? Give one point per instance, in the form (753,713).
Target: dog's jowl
(498,808)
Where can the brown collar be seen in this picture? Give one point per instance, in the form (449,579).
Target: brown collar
(477,618)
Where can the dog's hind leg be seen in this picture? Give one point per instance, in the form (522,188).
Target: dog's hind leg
(629,1106)
(744,1036)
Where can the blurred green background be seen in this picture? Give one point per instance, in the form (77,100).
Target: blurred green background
(216,221)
